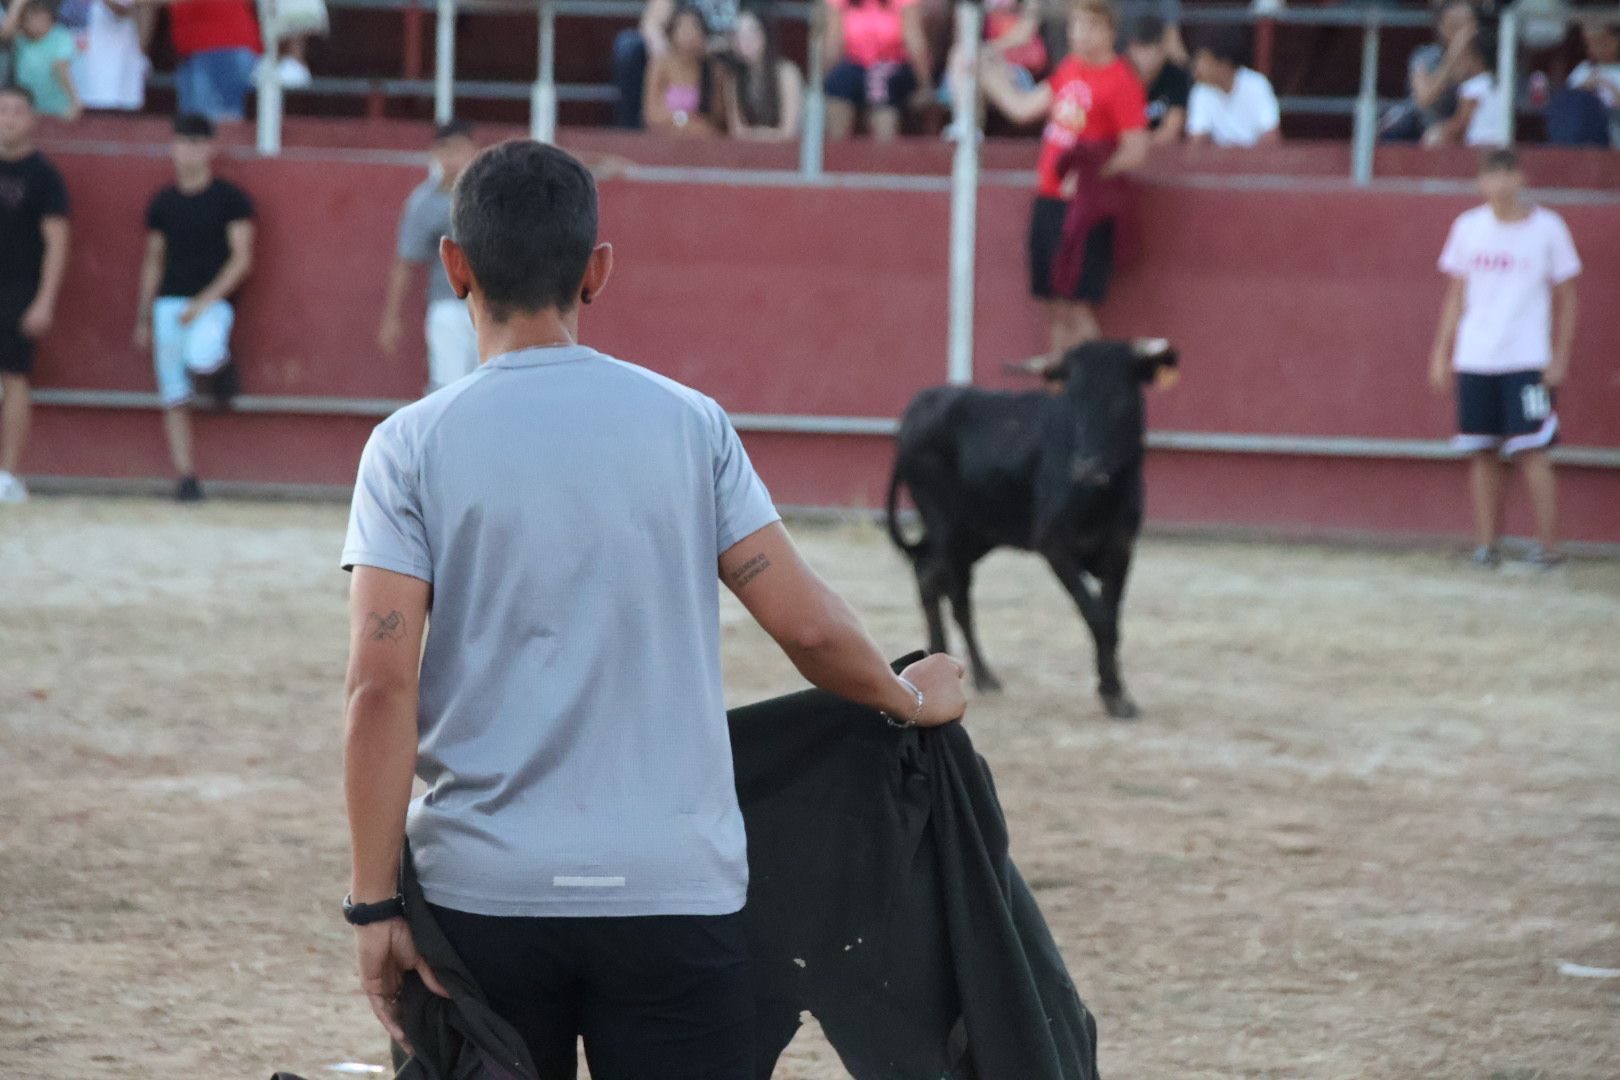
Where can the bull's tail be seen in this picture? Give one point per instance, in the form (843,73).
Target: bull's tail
(911,550)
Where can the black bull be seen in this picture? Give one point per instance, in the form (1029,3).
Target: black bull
(1058,473)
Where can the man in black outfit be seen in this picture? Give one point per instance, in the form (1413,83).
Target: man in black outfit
(199,247)
(1168,84)
(33,258)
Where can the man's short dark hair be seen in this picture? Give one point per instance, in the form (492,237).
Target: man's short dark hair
(18,90)
(1228,44)
(1147,30)
(193,126)
(1499,160)
(525,214)
(452,129)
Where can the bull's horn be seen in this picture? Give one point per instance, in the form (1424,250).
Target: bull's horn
(1035,365)
(1150,346)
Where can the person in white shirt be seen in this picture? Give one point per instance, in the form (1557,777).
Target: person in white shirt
(110,72)
(1479,119)
(1511,265)
(1231,105)
(1599,73)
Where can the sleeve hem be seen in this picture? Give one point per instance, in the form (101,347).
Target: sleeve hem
(353,557)
(734,536)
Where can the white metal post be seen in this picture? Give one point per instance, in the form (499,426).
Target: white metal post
(965,199)
(813,137)
(543,102)
(444,63)
(268,107)
(1364,135)
(1364,138)
(1507,74)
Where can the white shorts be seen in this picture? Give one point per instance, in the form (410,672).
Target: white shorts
(178,352)
(452,346)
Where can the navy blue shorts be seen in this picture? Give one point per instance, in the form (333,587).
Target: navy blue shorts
(16,347)
(655,998)
(1512,411)
(853,83)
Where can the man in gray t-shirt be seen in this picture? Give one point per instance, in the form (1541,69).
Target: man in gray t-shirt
(565,516)
(452,349)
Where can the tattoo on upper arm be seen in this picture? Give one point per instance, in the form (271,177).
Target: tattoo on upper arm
(390,627)
(750,570)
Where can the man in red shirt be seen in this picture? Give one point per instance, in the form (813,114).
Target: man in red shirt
(1092,102)
(217,42)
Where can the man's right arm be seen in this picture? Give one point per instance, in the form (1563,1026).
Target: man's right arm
(825,639)
(1445,336)
(391,327)
(151,277)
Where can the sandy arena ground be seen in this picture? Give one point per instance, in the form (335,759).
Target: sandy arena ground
(1372,806)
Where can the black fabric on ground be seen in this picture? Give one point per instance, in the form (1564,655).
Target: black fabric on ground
(881,899)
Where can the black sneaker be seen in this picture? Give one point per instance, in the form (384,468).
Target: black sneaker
(1487,558)
(189,490)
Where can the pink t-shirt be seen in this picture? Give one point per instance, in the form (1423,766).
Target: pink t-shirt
(872,31)
(1510,268)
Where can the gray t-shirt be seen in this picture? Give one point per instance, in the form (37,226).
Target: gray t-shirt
(569,510)
(425,219)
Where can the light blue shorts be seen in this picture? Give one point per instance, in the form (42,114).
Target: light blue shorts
(179,351)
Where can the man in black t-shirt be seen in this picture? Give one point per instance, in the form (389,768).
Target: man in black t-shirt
(1168,86)
(33,258)
(199,247)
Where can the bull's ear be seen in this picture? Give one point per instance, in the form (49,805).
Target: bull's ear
(1155,359)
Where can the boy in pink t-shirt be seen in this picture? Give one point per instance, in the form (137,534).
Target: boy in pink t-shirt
(882,64)
(1511,265)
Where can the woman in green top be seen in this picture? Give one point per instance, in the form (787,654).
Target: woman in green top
(43,53)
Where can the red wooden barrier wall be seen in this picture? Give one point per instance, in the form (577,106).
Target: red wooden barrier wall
(1303,309)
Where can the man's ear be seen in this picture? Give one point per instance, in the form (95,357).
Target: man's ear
(456,267)
(597,270)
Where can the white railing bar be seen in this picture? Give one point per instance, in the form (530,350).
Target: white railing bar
(543,106)
(1507,76)
(444,63)
(813,136)
(1221,442)
(1364,136)
(964,200)
(269,105)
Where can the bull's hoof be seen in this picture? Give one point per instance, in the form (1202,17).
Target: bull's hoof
(1120,706)
(986,683)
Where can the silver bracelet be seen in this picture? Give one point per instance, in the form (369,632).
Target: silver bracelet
(916,714)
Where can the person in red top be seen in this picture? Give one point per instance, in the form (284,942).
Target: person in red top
(218,44)
(1092,102)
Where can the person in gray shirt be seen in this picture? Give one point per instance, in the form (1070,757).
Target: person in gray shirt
(565,515)
(452,349)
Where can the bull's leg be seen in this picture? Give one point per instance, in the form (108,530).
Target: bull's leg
(1100,610)
(961,589)
(932,578)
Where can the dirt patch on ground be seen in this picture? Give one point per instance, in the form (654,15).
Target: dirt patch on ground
(1371,806)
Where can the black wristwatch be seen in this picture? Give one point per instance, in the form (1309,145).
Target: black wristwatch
(366,914)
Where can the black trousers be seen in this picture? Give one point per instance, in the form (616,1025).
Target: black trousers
(655,998)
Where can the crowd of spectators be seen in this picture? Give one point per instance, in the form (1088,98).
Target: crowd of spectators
(78,55)
(712,68)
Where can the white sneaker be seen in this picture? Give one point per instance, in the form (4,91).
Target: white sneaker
(294,74)
(12,489)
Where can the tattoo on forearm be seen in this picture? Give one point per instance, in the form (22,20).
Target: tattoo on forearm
(390,627)
(750,570)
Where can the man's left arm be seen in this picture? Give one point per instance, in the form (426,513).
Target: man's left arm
(1563,331)
(1130,155)
(239,235)
(387,619)
(41,313)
